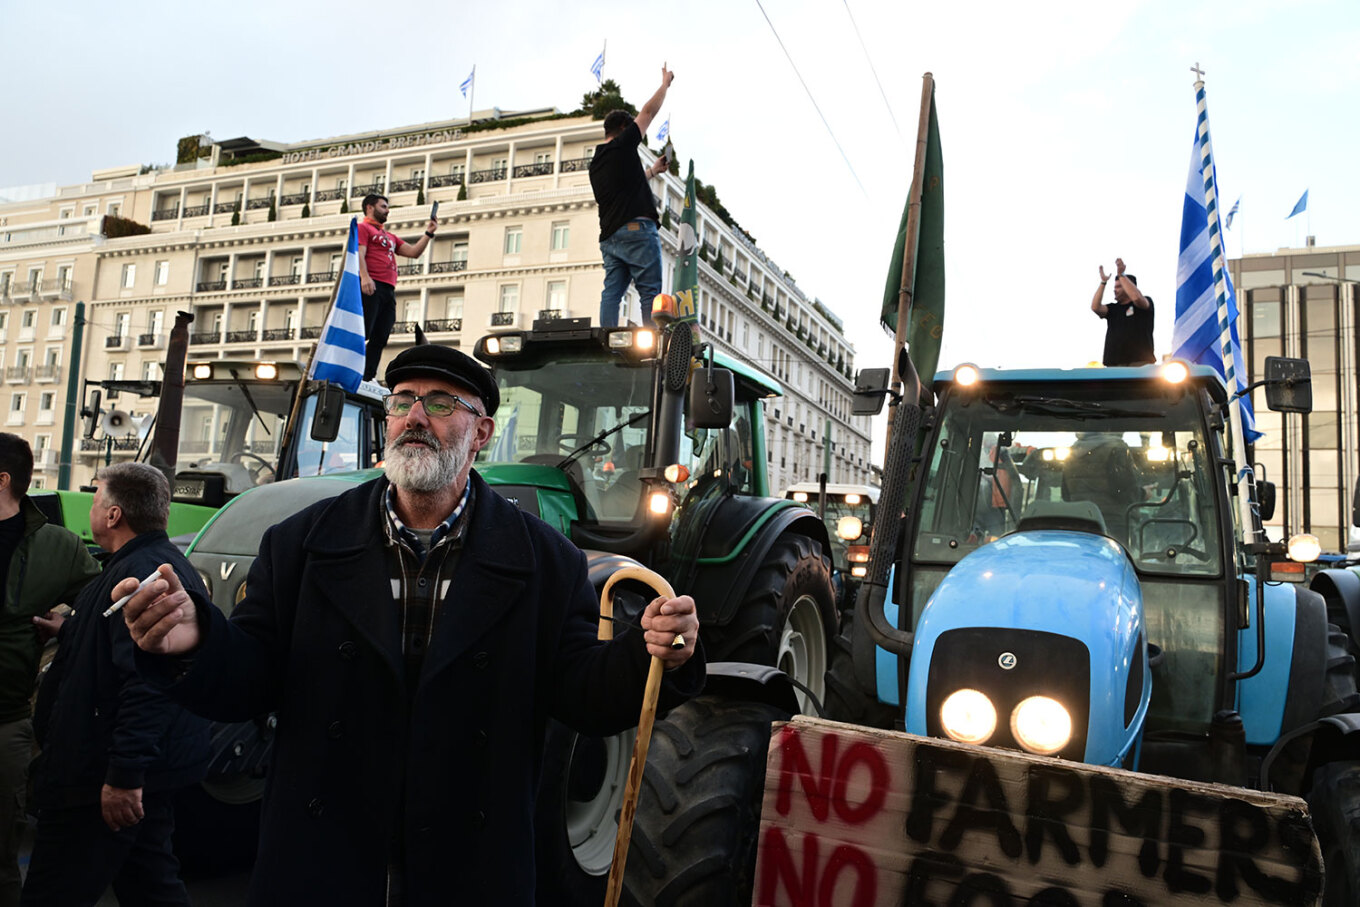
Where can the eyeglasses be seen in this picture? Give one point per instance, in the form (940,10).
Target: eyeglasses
(437,404)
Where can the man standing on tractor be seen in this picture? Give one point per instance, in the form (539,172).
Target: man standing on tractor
(413,636)
(1128,320)
(628,221)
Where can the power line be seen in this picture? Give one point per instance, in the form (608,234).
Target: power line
(881,92)
(812,99)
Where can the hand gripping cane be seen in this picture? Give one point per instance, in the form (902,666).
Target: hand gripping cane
(644,727)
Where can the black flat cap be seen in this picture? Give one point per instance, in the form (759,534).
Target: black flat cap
(430,360)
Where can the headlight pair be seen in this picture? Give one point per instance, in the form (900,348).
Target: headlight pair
(1039,724)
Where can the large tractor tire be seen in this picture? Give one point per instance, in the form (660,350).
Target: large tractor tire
(787,619)
(698,816)
(1335,804)
(845,699)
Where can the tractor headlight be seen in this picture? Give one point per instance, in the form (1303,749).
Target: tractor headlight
(849,528)
(1041,725)
(1304,548)
(968,716)
(1175,372)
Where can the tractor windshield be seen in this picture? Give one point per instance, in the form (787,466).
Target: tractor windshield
(1135,466)
(583,414)
(234,428)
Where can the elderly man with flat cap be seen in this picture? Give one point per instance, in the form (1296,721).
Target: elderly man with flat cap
(413,636)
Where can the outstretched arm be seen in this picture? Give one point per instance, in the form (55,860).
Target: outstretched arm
(1097,306)
(653,105)
(1130,288)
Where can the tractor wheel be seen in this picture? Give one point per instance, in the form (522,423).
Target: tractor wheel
(787,619)
(845,699)
(698,815)
(580,793)
(1335,804)
(1340,693)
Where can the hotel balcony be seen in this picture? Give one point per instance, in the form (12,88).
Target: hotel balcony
(447,267)
(151,341)
(504,319)
(329,195)
(18,374)
(543,168)
(117,342)
(487,176)
(310,333)
(285,280)
(277,334)
(242,336)
(165,213)
(211,286)
(247,283)
(575,164)
(448,179)
(443,324)
(256,204)
(226,207)
(200,337)
(406,185)
(197,210)
(409,270)
(296,198)
(46,374)
(321,276)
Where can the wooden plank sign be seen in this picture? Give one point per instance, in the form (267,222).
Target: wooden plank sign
(856,817)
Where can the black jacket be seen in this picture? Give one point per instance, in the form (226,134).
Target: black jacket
(97,721)
(450,770)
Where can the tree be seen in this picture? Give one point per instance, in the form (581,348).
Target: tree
(344,206)
(601,101)
(273,212)
(462,191)
(420,196)
(306,210)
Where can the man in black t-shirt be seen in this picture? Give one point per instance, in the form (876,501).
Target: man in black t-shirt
(1128,320)
(629,242)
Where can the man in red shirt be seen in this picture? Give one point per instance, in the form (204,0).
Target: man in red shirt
(378,251)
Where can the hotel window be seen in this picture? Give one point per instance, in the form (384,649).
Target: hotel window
(253,322)
(89,210)
(514,237)
(453,307)
(412,310)
(561,235)
(295,266)
(149,370)
(456,170)
(64,277)
(162,273)
(499,163)
(509,301)
(259,269)
(58,319)
(418,173)
(114,208)
(155,320)
(460,252)
(129,276)
(5,278)
(122,324)
(115,374)
(543,157)
(17,402)
(557,294)
(46,401)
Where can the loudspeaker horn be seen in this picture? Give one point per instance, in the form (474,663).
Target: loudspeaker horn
(116,422)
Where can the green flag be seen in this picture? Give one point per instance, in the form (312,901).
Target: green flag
(686,288)
(925,316)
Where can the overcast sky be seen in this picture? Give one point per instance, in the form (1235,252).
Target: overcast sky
(1067,127)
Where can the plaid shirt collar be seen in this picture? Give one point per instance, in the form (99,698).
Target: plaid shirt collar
(449,528)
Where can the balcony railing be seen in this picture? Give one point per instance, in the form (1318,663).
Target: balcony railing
(575,164)
(226,207)
(502,319)
(151,340)
(443,324)
(446,267)
(408,270)
(297,198)
(277,334)
(310,333)
(211,286)
(165,213)
(329,195)
(199,337)
(542,168)
(116,342)
(284,280)
(46,372)
(126,444)
(242,336)
(320,276)
(550,314)
(18,374)
(406,185)
(448,179)
(360,191)
(404,327)
(487,176)
(197,210)
(256,204)
(247,283)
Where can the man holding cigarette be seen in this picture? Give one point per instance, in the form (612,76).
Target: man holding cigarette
(378,251)
(114,750)
(41,566)
(413,636)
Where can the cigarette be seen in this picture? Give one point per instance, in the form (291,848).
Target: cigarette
(118,605)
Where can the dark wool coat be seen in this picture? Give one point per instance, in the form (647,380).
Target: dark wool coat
(451,770)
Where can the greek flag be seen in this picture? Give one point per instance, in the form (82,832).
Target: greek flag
(1301,205)
(339,355)
(1197,334)
(467,83)
(664,132)
(1227,225)
(598,67)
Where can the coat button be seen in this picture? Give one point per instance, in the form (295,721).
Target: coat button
(315,808)
(481,660)
(348,650)
(422,582)
(335,731)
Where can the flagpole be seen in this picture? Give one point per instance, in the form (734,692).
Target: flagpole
(1245,476)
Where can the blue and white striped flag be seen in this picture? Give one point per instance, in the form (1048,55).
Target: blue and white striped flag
(467,83)
(1197,334)
(597,67)
(664,132)
(340,352)
(1227,225)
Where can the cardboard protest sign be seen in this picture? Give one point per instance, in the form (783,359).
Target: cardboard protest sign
(856,817)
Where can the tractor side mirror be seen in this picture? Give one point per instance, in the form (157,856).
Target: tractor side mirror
(1265,499)
(91,413)
(1289,385)
(711,396)
(330,407)
(871,386)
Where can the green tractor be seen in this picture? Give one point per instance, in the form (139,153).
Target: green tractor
(641,452)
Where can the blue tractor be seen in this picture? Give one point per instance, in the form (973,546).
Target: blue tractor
(1075,576)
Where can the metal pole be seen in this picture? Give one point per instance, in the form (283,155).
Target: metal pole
(68,423)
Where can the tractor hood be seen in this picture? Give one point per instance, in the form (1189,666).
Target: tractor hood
(1049,612)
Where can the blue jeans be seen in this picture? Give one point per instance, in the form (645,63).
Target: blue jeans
(631,255)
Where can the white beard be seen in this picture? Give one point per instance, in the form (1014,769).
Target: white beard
(426,470)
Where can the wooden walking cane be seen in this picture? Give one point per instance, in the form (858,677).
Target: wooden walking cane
(644,728)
